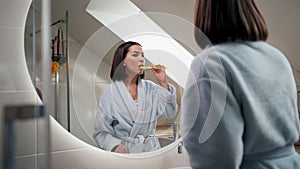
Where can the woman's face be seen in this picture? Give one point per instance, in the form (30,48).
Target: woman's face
(133,60)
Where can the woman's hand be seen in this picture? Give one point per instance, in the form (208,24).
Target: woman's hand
(160,76)
(121,149)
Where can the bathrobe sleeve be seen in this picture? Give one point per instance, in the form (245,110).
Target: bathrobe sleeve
(170,105)
(104,122)
(164,100)
(212,139)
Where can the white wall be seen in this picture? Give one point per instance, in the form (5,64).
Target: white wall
(15,84)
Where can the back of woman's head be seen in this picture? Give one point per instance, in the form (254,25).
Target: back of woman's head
(229,20)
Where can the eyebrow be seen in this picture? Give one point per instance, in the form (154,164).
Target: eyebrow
(138,52)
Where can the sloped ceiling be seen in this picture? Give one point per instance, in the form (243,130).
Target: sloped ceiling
(81,24)
(181,8)
(282,18)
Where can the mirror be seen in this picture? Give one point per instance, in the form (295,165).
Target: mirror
(58,56)
(90,57)
(78,128)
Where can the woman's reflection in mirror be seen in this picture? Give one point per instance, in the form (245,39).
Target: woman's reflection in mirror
(129,107)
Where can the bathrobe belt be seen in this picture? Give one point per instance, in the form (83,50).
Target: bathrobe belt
(278,153)
(139,139)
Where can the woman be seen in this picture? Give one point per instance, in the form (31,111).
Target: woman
(129,107)
(246,114)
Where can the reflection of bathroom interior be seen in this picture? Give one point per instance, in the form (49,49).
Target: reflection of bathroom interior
(82,36)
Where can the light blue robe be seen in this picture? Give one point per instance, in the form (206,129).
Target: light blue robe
(239,109)
(122,120)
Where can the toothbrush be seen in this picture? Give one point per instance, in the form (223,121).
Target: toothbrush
(153,67)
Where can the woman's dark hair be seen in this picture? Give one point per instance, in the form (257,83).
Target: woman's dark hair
(117,69)
(230,20)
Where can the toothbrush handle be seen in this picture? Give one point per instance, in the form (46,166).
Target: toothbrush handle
(154,67)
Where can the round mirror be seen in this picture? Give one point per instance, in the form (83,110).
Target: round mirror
(166,39)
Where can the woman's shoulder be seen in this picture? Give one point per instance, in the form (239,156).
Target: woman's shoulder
(106,91)
(105,94)
(237,50)
(107,87)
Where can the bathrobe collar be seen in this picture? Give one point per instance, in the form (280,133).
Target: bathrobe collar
(127,106)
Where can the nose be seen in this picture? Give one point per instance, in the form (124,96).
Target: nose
(142,59)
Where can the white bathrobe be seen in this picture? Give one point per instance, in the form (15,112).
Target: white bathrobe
(122,120)
(239,109)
